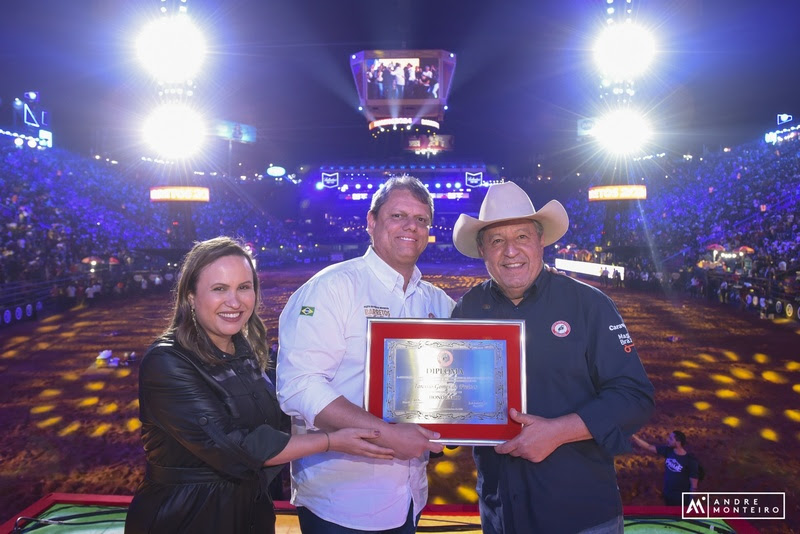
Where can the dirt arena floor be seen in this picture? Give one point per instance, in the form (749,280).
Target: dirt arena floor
(728,379)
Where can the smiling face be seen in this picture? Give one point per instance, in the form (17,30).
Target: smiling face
(399,230)
(512,252)
(224,299)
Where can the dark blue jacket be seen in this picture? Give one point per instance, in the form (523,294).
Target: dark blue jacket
(580,359)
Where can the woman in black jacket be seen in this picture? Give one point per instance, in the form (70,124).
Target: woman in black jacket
(210,419)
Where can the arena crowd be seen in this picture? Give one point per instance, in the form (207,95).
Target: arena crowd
(711,225)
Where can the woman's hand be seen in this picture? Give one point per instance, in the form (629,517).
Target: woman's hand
(356,441)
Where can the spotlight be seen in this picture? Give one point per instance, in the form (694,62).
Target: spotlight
(623,131)
(175,130)
(624,51)
(172,49)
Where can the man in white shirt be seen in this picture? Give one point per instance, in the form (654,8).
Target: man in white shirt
(320,372)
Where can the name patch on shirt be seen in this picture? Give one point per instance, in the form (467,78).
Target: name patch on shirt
(308,311)
(376,311)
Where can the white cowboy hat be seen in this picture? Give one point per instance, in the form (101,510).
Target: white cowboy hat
(506,202)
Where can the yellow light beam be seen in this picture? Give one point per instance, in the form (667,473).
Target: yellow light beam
(774,377)
(445,468)
(761,358)
(770,435)
(731,421)
(50,421)
(100,430)
(467,493)
(133,425)
(742,374)
(722,379)
(69,429)
(758,410)
(732,356)
(108,408)
(88,401)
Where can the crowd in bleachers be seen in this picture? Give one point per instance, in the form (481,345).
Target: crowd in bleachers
(747,196)
(60,210)
(70,220)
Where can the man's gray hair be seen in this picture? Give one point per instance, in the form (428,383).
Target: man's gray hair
(536,224)
(408,183)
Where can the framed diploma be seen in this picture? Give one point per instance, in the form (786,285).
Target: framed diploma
(458,377)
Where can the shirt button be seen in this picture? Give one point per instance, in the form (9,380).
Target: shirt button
(203,420)
(255,395)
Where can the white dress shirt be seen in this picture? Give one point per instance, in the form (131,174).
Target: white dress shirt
(321,356)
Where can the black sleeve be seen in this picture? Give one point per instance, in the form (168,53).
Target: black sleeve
(625,398)
(177,398)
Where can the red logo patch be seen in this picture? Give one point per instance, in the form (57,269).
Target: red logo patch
(560,329)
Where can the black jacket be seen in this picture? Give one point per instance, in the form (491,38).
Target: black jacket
(207,431)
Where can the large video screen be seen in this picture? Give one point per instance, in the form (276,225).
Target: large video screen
(403,78)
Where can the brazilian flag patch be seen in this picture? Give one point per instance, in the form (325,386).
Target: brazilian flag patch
(308,311)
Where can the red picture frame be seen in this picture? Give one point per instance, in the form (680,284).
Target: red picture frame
(510,331)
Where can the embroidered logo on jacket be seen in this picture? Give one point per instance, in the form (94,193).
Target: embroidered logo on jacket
(308,311)
(560,329)
(376,311)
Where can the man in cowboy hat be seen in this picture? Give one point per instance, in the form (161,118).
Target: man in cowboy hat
(587,391)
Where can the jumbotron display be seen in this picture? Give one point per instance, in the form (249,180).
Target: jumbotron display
(403,84)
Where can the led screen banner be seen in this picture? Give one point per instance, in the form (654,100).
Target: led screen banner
(179,194)
(431,143)
(617,192)
(235,131)
(403,83)
(403,78)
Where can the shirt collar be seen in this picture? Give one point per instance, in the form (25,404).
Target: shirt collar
(532,290)
(387,275)
(240,348)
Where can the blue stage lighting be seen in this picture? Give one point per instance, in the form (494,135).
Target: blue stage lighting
(438,185)
(319,186)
